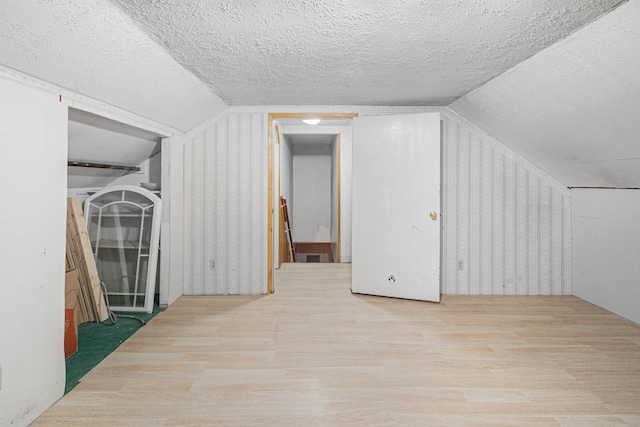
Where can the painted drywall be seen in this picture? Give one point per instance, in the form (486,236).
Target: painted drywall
(282,181)
(335,197)
(91,47)
(530,230)
(33,136)
(606,249)
(286,174)
(572,109)
(283,174)
(311,220)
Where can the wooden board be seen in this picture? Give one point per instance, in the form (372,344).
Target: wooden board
(72,262)
(91,291)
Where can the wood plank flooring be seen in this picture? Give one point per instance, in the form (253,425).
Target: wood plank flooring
(313,354)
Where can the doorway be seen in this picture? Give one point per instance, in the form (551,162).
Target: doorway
(390,149)
(310,188)
(317,151)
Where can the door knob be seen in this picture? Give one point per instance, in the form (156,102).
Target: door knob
(433,215)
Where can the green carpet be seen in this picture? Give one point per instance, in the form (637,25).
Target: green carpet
(97,340)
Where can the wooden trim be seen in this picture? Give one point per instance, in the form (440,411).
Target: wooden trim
(270,208)
(339,254)
(271,117)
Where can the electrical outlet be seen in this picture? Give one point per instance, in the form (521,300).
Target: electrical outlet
(460,264)
(212,264)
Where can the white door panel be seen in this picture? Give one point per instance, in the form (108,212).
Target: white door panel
(396,185)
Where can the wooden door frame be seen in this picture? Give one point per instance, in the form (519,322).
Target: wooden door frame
(270,211)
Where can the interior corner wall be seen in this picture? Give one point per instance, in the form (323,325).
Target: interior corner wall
(335,195)
(286,173)
(311,220)
(33,137)
(283,167)
(606,249)
(506,224)
(171,238)
(225,205)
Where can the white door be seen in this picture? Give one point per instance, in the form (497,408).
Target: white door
(396,206)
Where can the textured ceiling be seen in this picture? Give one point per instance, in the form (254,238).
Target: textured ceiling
(91,47)
(572,109)
(314,52)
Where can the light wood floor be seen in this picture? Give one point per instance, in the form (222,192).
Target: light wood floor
(313,354)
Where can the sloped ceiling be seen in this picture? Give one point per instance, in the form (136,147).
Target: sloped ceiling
(94,139)
(569,108)
(353,52)
(573,109)
(92,48)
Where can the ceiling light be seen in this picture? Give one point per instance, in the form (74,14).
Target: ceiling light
(311,121)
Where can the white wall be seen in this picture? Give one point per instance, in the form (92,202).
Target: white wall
(606,249)
(33,137)
(282,174)
(286,174)
(311,221)
(335,196)
(171,232)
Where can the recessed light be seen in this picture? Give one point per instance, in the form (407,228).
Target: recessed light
(311,121)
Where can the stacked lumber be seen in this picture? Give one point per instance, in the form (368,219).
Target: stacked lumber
(80,256)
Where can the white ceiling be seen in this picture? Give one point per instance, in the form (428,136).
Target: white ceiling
(94,139)
(568,104)
(91,47)
(355,52)
(574,109)
(310,144)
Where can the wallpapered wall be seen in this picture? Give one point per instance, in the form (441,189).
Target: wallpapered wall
(506,224)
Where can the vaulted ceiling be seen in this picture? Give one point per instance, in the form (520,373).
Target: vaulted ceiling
(539,75)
